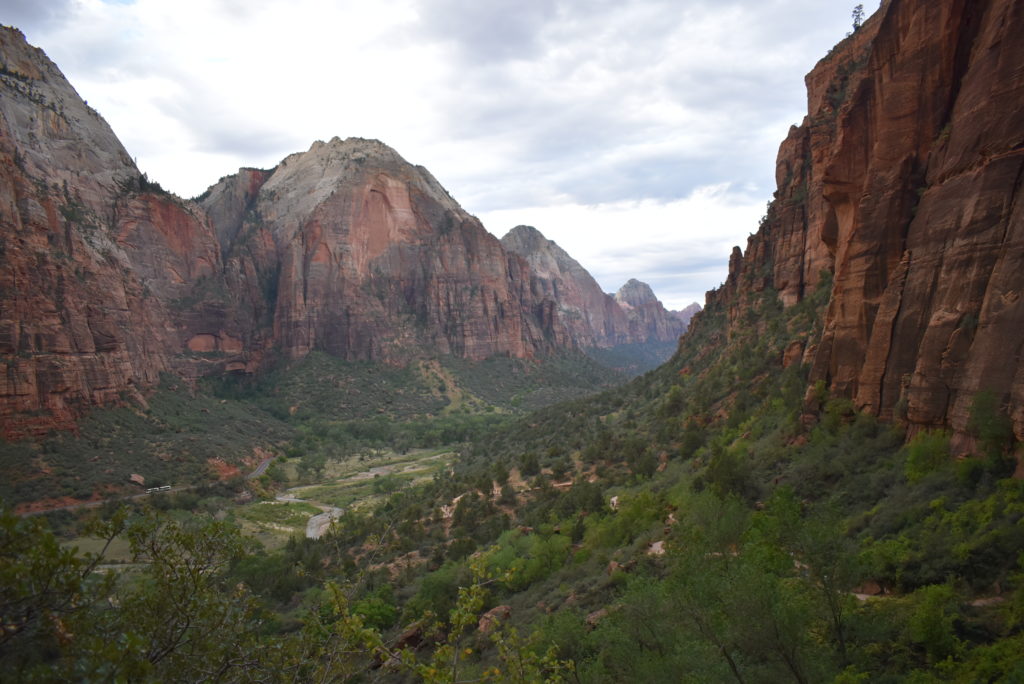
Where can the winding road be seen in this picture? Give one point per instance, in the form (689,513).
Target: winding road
(317,524)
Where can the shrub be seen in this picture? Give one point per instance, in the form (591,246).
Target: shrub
(927,451)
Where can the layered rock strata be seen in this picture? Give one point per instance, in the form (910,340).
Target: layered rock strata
(371,259)
(91,257)
(648,318)
(904,183)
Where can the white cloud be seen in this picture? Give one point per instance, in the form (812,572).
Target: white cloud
(589,116)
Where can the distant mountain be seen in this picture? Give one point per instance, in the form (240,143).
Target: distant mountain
(360,254)
(595,318)
(687,313)
(346,248)
(649,320)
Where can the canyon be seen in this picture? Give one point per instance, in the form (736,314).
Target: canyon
(110,282)
(899,191)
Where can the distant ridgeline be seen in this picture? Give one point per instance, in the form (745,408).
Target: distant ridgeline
(345,248)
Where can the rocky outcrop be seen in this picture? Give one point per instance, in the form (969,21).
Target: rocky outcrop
(904,182)
(686,314)
(230,201)
(109,281)
(80,324)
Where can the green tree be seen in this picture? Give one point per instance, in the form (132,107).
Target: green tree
(926,452)
(529,464)
(858,16)
(42,588)
(178,619)
(934,613)
(175,619)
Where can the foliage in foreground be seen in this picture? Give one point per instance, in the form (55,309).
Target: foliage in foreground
(175,615)
(711,521)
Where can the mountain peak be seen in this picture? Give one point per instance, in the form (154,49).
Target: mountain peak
(305,180)
(356,148)
(526,239)
(60,138)
(339,153)
(635,293)
(545,256)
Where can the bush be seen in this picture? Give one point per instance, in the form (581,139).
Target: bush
(927,451)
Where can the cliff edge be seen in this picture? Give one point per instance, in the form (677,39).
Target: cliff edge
(904,183)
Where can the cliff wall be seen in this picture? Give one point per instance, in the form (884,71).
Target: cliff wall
(904,181)
(364,256)
(92,256)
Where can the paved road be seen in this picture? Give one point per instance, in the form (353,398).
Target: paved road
(260,469)
(317,524)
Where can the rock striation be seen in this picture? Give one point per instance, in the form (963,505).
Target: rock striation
(364,256)
(903,187)
(91,256)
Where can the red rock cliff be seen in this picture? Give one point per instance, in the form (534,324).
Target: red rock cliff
(108,281)
(364,256)
(91,255)
(905,181)
(594,318)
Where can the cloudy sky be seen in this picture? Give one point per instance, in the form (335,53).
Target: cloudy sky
(638,134)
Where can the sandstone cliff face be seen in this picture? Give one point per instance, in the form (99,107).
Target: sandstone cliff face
(367,257)
(905,182)
(89,257)
(592,317)
(109,282)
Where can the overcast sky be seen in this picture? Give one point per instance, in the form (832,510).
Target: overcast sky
(638,134)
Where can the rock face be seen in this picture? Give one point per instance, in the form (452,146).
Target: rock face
(91,257)
(367,257)
(346,248)
(594,318)
(904,182)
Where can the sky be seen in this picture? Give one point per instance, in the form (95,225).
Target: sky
(640,135)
